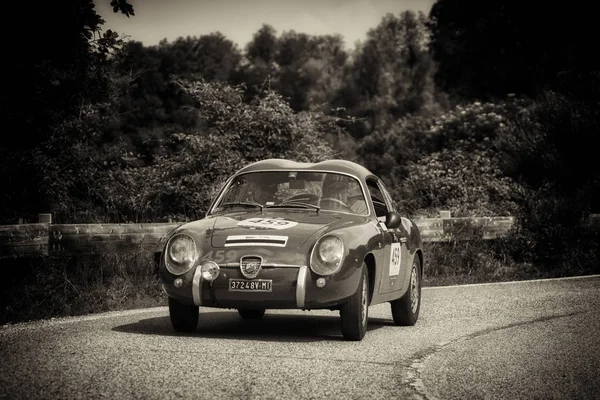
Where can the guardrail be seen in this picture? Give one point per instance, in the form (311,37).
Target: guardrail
(45,238)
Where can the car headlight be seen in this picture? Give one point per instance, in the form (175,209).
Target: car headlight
(327,254)
(180,254)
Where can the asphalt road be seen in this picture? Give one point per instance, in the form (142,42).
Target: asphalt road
(527,340)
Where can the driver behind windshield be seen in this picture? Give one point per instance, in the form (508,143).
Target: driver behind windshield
(335,192)
(263,193)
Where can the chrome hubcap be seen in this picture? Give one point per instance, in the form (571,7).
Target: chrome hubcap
(414,289)
(365,295)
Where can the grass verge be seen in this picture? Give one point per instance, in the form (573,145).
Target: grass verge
(45,287)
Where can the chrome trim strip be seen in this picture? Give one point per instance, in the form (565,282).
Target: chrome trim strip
(262,244)
(197,286)
(301,286)
(256,240)
(268,265)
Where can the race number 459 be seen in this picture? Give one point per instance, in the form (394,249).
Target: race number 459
(395,257)
(267,223)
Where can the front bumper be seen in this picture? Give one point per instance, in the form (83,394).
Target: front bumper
(293,287)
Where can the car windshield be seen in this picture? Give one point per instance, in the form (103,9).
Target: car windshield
(294,189)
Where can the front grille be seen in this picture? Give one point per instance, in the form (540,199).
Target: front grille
(250,266)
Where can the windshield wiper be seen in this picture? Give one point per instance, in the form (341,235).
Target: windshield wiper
(243,204)
(294,204)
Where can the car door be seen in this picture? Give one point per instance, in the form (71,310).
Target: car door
(394,243)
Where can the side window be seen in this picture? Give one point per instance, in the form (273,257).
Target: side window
(380,202)
(387,197)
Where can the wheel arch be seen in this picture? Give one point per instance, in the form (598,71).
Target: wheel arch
(422,261)
(370,262)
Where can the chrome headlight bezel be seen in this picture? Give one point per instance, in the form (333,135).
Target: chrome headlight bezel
(187,261)
(327,255)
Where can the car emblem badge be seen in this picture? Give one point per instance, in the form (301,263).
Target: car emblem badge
(250,266)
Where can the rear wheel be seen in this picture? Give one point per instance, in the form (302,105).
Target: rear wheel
(354,313)
(184,317)
(405,310)
(251,314)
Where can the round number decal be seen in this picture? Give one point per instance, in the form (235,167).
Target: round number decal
(266,223)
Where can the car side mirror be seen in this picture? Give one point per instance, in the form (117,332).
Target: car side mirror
(393,220)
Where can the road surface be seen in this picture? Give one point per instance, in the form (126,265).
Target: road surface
(528,340)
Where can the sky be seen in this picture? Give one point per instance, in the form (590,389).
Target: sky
(238,20)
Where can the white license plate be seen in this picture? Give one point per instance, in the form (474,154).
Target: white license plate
(255,285)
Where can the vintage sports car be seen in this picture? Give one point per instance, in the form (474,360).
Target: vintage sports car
(288,235)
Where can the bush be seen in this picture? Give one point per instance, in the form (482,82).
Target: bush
(476,261)
(45,287)
(550,149)
(449,161)
(87,181)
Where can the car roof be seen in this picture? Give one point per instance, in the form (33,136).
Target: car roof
(341,166)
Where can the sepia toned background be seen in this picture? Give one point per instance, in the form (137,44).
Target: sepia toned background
(136,112)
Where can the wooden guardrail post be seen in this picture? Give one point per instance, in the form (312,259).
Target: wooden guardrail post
(46,238)
(25,239)
(45,218)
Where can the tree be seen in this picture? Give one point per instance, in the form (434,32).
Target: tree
(487,49)
(210,57)
(50,78)
(310,69)
(52,75)
(260,66)
(392,72)
(449,160)
(179,183)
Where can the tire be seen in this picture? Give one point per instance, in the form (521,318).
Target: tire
(184,317)
(354,314)
(251,314)
(405,310)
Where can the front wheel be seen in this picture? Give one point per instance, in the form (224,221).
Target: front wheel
(184,317)
(355,312)
(405,310)
(251,314)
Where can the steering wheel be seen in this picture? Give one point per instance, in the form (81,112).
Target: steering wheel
(304,197)
(335,201)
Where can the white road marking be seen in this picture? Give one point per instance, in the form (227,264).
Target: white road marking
(510,282)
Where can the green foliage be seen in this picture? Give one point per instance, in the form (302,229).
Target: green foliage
(391,74)
(460,262)
(450,161)
(555,142)
(211,57)
(69,67)
(500,47)
(89,182)
(123,6)
(551,150)
(468,183)
(48,82)
(154,107)
(48,287)
(309,69)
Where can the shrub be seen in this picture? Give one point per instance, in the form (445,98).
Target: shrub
(447,161)
(550,149)
(90,182)
(45,287)
(468,183)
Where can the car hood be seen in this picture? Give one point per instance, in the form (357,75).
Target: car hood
(276,229)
